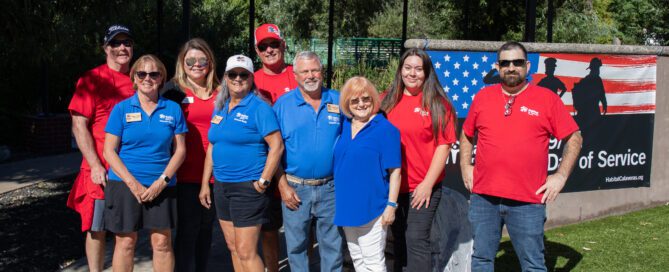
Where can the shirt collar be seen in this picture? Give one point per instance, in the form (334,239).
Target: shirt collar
(134,101)
(326,98)
(245,101)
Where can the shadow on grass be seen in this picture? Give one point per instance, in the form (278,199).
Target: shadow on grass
(508,261)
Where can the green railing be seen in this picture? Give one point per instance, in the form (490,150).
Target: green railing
(350,51)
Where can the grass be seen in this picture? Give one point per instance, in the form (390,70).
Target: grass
(637,241)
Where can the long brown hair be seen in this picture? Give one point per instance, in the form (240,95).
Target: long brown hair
(180,77)
(434,98)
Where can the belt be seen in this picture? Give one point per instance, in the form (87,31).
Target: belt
(311,182)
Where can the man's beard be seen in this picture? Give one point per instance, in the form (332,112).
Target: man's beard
(512,80)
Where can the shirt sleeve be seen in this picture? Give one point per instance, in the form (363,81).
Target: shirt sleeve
(266,121)
(115,122)
(561,122)
(180,122)
(83,100)
(391,156)
(448,135)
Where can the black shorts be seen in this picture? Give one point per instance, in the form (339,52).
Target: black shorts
(274,213)
(240,203)
(123,214)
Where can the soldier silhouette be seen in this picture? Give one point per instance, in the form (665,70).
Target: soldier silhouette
(492,77)
(550,81)
(587,94)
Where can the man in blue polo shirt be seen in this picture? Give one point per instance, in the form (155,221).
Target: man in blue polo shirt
(310,122)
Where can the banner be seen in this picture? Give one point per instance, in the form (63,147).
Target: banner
(611,97)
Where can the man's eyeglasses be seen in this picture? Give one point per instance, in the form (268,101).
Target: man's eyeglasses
(509,105)
(516,62)
(202,62)
(142,75)
(273,44)
(242,75)
(117,43)
(364,99)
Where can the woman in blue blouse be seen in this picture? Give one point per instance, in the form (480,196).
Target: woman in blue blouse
(367,160)
(141,134)
(244,152)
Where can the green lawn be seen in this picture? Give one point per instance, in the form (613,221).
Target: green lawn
(637,241)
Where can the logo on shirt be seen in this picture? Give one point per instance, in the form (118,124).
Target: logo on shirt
(286,90)
(529,111)
(188,100)
(166,118)
(333,120)
(421,111)
(240,117)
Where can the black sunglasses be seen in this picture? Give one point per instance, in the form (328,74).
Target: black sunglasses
(142,75)
(273,44)
(117,43)
(516,62)
(364,99)
(242,75)
(201,61)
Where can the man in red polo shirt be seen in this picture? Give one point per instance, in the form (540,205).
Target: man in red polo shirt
(274,79)
(512,123)
(96,93)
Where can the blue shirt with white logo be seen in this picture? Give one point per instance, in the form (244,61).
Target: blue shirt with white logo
(361,171)
(238,138)
(146,140)
(309,136)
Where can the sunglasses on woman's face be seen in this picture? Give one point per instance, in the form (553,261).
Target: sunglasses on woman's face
(242,75)
(117,43)
(273,44)
(202,62)
(142,75)
(364,99)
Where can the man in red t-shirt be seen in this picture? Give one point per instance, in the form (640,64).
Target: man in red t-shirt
(96,93)
(512,123)
(274,79)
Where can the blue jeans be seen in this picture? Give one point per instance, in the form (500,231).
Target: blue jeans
(524,222)
(318,203)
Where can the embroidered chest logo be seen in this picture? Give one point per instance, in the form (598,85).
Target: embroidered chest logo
(240,117)
(333,120)
(529,111)
(166,118)
(421,111)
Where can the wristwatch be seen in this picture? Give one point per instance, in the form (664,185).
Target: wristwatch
(263,183)
(392,204)
(165,178)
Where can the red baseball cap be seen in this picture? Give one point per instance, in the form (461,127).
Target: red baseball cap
(267,31)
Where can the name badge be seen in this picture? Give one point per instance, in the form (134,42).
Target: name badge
(133,117)
(333,108)
(216,119)
(188,100)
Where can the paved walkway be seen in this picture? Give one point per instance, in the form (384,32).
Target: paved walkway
(16,175)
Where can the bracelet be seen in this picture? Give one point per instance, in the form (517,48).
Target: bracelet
(392,204)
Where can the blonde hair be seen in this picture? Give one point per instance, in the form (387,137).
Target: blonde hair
(357,86)
(140,63)
(180,77)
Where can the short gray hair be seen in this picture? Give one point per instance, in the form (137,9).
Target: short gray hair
(307,55)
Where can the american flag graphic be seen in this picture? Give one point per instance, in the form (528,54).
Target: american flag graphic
(628,80)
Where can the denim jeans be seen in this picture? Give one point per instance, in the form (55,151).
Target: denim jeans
(411,233)
(318,203)
(452,233)
(524,222)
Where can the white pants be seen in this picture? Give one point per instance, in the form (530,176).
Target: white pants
(367,244)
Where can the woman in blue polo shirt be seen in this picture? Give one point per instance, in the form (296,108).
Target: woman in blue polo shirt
(141,133)
(245,147)
(367,160)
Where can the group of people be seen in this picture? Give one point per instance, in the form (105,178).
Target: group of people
(263,149)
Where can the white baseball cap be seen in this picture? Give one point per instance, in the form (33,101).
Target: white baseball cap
(239,61)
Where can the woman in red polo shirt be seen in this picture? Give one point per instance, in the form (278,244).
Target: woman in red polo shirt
(417,105)
(194,86)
